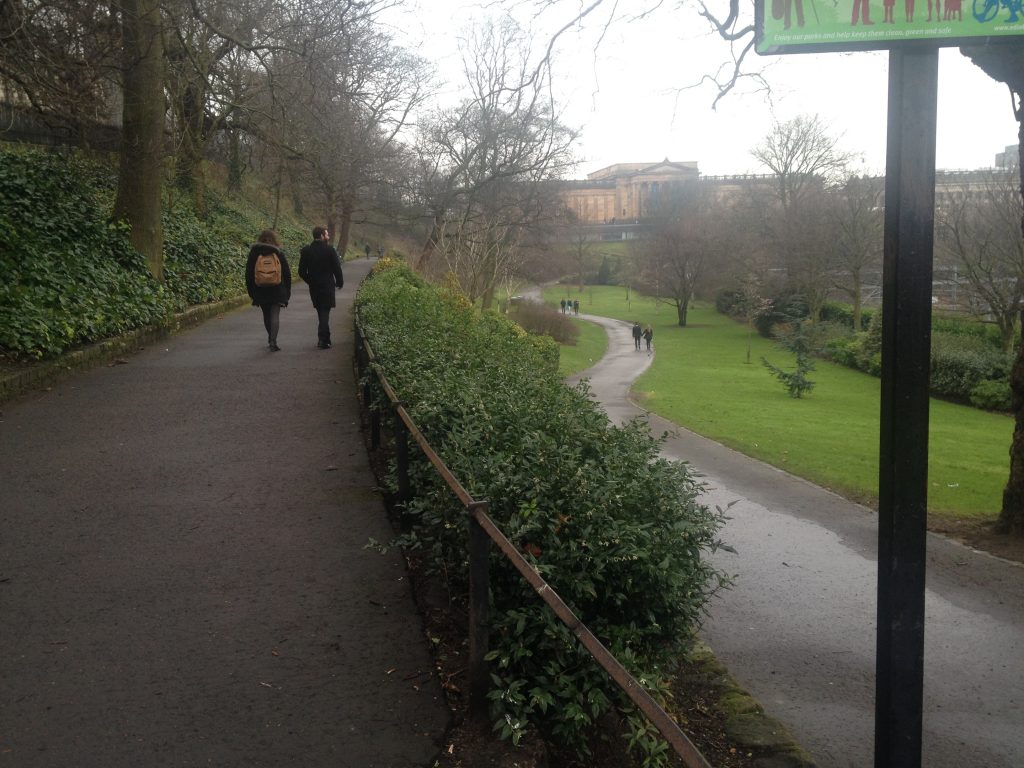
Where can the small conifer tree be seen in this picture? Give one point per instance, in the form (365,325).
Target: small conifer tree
(798,341)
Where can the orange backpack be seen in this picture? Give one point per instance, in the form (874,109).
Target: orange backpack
(268,270)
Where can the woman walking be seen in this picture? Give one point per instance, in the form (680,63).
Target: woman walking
(269,282)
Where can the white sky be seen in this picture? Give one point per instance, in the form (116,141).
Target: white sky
(624,95)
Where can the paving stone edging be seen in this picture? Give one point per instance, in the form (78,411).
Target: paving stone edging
(36,376)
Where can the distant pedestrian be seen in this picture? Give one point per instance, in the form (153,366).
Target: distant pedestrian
(648,337)
(575,306)
(268,281)
(637,334)
(380,251)
(562,304)
(320,267)
(367,250)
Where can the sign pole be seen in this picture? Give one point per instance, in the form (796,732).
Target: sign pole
(903,454)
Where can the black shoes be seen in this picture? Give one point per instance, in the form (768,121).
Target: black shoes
(274,347)
(323,345)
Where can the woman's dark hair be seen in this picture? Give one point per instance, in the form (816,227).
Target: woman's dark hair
(269,237)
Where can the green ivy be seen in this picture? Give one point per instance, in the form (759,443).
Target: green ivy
(615,529)
(70,274)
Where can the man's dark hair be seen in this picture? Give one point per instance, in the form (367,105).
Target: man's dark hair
(318,232)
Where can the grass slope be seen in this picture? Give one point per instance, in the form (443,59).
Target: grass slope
(701,380)
(590,347)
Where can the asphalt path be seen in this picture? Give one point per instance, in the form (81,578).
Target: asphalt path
(798,628)
(183,573)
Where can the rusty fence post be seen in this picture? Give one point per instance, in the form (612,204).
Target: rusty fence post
(401,453)
(479,614)
(374,426)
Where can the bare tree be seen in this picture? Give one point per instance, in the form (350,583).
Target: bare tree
(803,156)
(342,92)
(979,227)
(858,213)
(687,239)
(806,164)
(63,59)
(485,164)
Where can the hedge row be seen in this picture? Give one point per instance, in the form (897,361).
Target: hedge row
(615,528)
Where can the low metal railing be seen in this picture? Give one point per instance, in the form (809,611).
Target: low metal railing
(482,532)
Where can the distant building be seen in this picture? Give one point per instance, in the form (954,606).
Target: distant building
(1009,158)
(625,192)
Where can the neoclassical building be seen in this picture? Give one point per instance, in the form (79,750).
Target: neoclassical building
(625,192)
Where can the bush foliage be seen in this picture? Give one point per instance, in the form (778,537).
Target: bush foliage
(543,319)
(615,528)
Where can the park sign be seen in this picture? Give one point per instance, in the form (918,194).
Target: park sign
(817,26)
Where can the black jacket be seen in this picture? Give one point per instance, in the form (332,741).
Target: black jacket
(267,294)
(320,267)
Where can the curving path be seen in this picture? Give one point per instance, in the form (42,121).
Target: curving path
(798,629)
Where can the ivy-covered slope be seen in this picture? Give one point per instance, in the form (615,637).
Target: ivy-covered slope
(68,274)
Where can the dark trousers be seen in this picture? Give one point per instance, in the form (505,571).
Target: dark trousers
(323,328)
(271,320)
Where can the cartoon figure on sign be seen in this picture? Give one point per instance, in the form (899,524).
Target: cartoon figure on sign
(938,10)
(954,8)
(887,5)
(799,12)
(862,9)
(909,5)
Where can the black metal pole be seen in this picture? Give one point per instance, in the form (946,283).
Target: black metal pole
(903,453)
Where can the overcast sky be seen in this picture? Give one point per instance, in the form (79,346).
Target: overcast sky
(624,93)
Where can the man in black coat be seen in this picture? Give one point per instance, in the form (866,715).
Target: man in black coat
(320,267)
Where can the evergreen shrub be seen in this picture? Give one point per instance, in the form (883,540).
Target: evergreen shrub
(616,529)
(784,309)
(960,362)
(992,396)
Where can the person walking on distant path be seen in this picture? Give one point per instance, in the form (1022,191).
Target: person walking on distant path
(575,306)
(648,337)
(367,250)
(637,333)
(268,280)
(320,267)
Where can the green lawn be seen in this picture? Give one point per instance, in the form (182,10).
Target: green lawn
(700,379)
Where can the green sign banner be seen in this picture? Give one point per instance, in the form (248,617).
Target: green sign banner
(793,26)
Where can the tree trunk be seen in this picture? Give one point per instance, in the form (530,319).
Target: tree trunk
(345,230)
(1011,516)
(858,309)
(235,165)
(681,309)
(431,242)
(139,177)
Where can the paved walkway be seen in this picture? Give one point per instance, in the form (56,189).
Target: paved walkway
(183,578)
(798,629)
